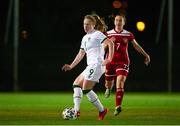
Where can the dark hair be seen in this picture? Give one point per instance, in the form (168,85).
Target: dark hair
(100,24)
(121,13)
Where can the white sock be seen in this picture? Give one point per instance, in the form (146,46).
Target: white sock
(95,100)
(77,98)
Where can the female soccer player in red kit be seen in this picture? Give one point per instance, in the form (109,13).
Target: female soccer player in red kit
(119,66)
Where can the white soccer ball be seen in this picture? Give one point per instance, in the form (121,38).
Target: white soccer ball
(69,114)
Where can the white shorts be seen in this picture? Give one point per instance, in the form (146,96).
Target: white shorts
(93,72)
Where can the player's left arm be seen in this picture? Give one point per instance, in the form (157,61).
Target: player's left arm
(138,48)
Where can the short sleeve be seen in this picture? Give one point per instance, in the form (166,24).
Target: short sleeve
(131,37)
(101,37)
(82,45)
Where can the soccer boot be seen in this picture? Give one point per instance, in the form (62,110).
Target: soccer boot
(102,114)
(117,111)
(78,114)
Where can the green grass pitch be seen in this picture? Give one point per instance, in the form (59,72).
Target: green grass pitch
(46,108)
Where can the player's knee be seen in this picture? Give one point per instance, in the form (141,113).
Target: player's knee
(86,91)
(108,84)
(75,86)
(122,81)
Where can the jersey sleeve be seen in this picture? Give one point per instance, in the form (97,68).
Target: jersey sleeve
(82,44)
(131,37)
(101,37)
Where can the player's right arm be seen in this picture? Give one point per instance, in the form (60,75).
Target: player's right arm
(76,60)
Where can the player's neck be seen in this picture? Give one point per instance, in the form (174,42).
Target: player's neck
(118,29)
(91,31)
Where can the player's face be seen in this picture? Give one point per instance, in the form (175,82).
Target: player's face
(119,21)
(88,25)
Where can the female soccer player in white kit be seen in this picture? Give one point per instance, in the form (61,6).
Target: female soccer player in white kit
(93,45)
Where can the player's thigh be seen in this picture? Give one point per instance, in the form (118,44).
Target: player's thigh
(88,85)
(79,80)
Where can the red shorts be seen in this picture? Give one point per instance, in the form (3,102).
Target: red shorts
(114,70)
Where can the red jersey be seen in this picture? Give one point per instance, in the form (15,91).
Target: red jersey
(121,40)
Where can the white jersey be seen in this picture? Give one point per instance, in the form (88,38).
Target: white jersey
(91,44)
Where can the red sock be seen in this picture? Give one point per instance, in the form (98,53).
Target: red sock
(119,96)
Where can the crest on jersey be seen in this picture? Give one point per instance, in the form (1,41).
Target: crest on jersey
(89,38)
(125,40)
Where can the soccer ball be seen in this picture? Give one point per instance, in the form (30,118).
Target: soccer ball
(69,114)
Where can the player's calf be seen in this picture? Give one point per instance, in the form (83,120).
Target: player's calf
(107,93)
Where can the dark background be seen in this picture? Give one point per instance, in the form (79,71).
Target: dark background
(54,29)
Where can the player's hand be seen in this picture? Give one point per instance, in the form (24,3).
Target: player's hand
(106,61)
(147,60)
(66,67)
